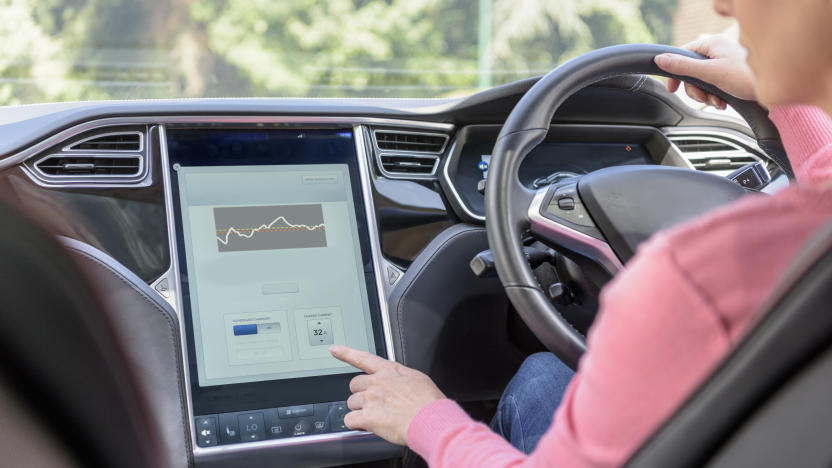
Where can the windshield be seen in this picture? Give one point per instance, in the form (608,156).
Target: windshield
(69,50)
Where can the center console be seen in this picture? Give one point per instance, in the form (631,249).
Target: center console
(272,235)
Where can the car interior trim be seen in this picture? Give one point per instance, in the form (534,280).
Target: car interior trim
(593,248)
(446,177)
(60,137)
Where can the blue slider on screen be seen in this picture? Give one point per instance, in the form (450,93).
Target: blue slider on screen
(255,328)
(245,329)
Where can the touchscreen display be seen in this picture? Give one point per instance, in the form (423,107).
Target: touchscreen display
(275,270)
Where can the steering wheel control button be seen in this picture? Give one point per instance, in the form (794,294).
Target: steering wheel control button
(296,411)
(571,211)
(206,431)
(252,427)
(229,429)
(566,203)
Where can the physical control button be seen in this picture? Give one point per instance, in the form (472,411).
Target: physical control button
(296,411)
(206,431)
(320,332)
(566,203)
(163,288)
(576,215)
(481,186)
(319,425)
(749,178)
(252,427)
(229,429)
(302,427)
(336,417)
(277,428)
(392,275)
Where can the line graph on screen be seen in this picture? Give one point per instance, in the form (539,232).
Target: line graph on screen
(243,228)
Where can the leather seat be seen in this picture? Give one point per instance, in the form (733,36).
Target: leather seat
(69,394)
(770,402)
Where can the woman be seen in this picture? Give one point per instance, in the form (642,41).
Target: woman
(681,304)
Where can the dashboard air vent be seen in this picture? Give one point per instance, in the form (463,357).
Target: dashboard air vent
(712,154)
(101,157)
(415,142)
(90,165)
(120,141)
(404,154)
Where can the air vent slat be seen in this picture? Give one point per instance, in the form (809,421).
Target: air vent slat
(711,153)
(123,141)
(703,146)
(390,140)
(60,165)
(406,164)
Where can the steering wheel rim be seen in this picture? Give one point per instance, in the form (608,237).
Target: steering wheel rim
(509,206)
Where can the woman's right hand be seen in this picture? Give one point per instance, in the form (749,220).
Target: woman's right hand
(726,68)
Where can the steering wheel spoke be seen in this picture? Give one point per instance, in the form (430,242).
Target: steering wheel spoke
(558,218)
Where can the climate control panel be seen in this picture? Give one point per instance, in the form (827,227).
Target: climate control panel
(273,423)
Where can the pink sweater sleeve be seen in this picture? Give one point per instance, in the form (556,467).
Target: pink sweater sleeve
(626,384)
(807,136)
(657,335)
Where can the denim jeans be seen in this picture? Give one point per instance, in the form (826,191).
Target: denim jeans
(529,401)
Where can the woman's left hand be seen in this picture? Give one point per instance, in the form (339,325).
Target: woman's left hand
(387,397)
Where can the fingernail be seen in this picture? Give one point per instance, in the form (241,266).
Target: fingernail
(714,101)
(663,60)
(334,349)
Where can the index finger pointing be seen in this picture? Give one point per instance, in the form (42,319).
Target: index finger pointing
(363,360)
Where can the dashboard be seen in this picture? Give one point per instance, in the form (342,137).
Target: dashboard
(271,229)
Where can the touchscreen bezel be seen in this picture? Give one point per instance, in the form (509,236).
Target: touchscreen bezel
(284,392)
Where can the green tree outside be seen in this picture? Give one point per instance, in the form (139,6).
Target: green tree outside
(58,50)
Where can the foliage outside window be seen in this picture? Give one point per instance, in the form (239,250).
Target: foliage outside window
(61,50)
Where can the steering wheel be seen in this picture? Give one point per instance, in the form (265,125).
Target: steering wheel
(603,215)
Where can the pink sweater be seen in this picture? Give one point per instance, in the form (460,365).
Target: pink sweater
(664,323)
